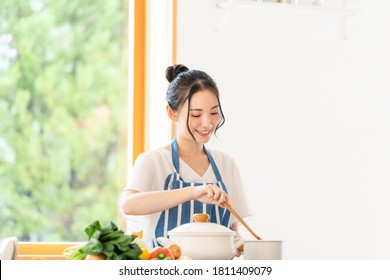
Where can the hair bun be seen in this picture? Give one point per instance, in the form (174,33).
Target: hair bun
(173,71)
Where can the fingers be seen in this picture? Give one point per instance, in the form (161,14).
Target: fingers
(227,200)
(215,195)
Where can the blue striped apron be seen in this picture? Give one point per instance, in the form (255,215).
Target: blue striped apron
(183,213)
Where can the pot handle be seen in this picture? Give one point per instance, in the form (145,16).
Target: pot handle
(201,217)
(164,241)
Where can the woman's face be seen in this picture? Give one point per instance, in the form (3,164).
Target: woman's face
(204,116)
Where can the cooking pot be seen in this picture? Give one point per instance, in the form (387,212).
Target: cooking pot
(263,250)
(203,240)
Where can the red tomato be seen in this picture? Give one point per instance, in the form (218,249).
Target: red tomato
(175,250)
(160,253)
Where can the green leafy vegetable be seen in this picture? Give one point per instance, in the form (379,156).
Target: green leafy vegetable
(110,241)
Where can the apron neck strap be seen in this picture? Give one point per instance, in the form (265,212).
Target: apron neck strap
(175,154)
(175,159)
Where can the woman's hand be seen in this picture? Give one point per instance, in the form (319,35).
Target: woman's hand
(211,194)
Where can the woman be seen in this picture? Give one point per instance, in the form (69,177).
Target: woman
(168,185)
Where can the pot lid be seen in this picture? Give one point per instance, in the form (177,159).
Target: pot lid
(201,228)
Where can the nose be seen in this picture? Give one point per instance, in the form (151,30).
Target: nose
(206,121)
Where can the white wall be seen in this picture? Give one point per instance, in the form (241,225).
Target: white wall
(307,113)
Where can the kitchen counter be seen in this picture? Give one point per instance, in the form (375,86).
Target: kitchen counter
(43,250)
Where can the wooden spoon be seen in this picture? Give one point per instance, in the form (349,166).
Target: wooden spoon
(235,214)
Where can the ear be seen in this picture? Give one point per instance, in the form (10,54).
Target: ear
(171,114)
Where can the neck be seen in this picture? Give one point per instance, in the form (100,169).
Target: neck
(189,147)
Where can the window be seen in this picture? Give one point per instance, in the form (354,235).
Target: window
(67,109)
(63,102)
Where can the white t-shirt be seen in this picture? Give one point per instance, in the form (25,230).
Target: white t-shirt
(151,169)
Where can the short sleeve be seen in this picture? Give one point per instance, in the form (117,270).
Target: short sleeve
(140,178)
(142,173)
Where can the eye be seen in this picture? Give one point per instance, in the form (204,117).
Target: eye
(195,116)
(216,113)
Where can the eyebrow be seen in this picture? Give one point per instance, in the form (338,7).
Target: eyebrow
(216,106)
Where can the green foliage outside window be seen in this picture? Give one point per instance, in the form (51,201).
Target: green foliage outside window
(63,97)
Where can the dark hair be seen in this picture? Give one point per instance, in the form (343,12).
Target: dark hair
(183,83)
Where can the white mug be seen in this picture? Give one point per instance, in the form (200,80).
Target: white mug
(263,250)
(8,248)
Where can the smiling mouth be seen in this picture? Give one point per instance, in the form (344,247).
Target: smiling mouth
(203,133)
